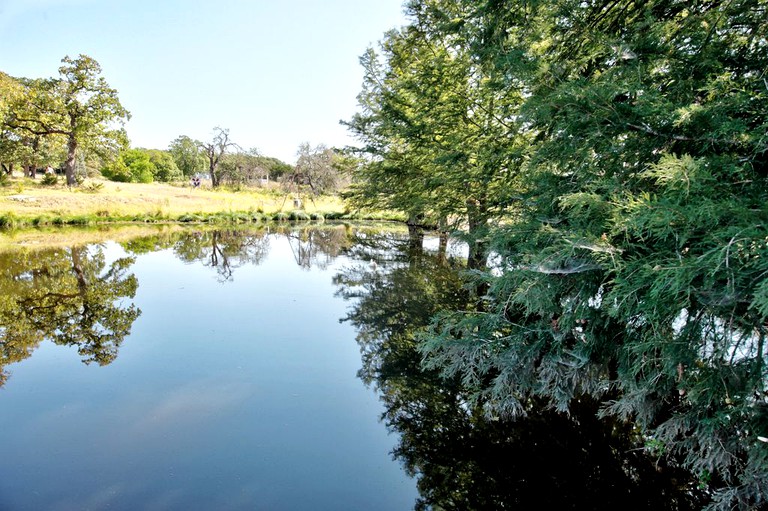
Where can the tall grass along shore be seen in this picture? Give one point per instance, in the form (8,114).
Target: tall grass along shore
(27,203)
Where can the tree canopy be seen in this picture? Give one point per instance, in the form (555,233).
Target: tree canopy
(462,458)
(187,155)
(78,107)
(142,166)
(319,169)
(608,160)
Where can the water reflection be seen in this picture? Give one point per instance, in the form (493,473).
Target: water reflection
(72,297)
(318,247)
(230,393)
(225,250)
(463,459)
(68,295)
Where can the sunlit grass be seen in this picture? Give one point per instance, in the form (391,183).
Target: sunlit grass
(26,202)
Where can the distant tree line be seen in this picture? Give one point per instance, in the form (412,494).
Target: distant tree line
(73,124)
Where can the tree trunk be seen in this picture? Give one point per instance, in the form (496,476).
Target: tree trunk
(477,218)
(77,267)
(442,247)
(416,219)
(69,165)
(214,176)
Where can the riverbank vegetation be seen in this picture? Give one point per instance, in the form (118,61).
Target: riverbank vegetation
(607,162)
(29,203)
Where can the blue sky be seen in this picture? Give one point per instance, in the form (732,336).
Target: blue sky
(276,73)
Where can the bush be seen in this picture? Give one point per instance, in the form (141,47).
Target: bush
(298,215)
(8,221)
(49,180)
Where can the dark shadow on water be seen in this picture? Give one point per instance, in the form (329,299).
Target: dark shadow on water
(463,459)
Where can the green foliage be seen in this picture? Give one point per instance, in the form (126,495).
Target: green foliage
(165,169)
(223,250)
(299,215)
(92,187)
(69,296)
(49,180)
(8,221)
(139,165)
(142,166)
(117,171)
(319,170)
(243,167)
(190,218)
(619,148)
(440,139)
(78,110)
(464,458)
(188,156)
(275,168)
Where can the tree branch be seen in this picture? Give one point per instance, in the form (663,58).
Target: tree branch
(644,128)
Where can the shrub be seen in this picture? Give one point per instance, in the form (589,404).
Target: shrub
(298,215)
(49,180)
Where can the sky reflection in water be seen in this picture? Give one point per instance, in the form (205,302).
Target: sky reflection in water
(229,393)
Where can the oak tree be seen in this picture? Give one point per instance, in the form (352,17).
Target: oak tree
(79,106)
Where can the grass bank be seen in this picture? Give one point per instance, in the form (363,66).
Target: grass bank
(28,203)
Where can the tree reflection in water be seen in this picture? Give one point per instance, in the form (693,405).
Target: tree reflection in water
(463,459)
(223,250)
(72,297)
(69,296)
(317,247)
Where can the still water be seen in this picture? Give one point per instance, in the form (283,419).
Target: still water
(274,370)
(236,387)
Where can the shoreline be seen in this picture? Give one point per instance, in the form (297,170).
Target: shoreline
(27,203)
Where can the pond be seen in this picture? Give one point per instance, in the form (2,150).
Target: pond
(270,369)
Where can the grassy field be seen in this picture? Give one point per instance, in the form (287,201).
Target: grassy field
(27,202)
